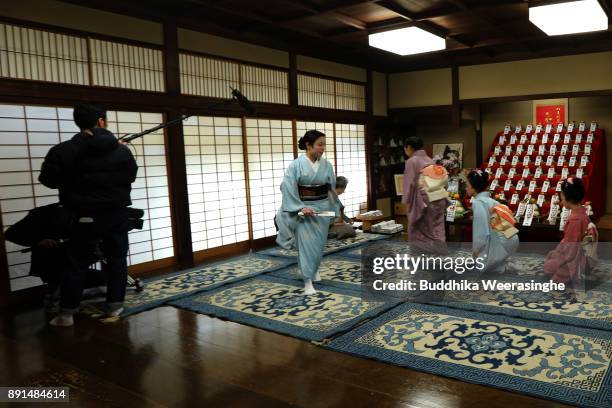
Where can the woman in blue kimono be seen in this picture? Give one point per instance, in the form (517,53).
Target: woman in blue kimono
(308,189)
(487,242)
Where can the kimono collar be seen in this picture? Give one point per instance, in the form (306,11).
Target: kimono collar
(420,152)
(483,194)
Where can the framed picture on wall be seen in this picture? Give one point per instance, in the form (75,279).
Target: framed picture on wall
(553,111)
(451,153)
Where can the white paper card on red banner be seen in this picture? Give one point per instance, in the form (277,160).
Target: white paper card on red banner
(497,150)
(506,129)
(560,127)
(551,173)
(528,128)
(491,160)
(526,161)
(521,209)
(513,139)
(534,139)
(502,139)
(555,199)
(553,150)
(523,139)
(581,127)
(518,129)
(564,172)
(587,149)
(532,186)
(548,128)
(511,172)
(528,215)
(503,161)
(580,173)
(584,160)
(538,173)
(575,150)
(493,185)
(549,160)
(541,198)
(593,127)
(502,196)
(558,188)
(556,138)
(590,138)
(525,172)
(508,151)
(542,150)
(564,216)
(564,149)
(450,211)
(578,138)
(514,199)
(520,185)
(538,161)
(515,160)
(507,185)
(545,186)
(538,128)
(530,149)
(561,161)
(572,161)
(567,138)
(545,138)
(552,215)
(519,149)
(498,172)
(570,127)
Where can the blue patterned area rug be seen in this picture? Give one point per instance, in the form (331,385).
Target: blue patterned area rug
(551,361)
(335,271)
(278,304)
(332,245)
(180,284)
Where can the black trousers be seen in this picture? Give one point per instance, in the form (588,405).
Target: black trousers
(106,236)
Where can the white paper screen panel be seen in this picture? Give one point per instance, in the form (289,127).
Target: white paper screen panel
(209,77)
(351,159)
(270,151)
(150,190)
(118,65)
(330,94)
(38,55)
(216,185)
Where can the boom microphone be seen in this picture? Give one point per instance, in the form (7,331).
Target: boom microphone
(243,101)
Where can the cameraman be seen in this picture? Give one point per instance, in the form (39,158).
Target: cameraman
(93,173)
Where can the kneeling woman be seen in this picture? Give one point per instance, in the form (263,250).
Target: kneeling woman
(308,188)
(487,243)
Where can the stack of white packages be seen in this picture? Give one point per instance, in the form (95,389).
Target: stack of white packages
(387,227)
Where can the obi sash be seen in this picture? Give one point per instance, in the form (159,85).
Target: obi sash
(313,192)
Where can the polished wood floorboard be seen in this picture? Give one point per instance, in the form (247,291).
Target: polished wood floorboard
(176,358)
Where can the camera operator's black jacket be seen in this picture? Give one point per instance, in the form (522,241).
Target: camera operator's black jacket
(93,173)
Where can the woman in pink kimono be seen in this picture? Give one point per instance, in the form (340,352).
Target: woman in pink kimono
(425,218)
(568,262)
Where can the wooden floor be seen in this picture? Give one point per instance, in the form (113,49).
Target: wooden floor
(170,357)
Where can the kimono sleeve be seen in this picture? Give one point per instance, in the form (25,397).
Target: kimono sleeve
(481,228)
(409,184)
(289,189)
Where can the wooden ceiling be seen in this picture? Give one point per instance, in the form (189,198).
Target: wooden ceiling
(477,31)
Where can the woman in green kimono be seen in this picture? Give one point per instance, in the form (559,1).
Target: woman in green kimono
(308,189)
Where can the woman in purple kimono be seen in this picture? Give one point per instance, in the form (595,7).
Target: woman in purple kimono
(425,218)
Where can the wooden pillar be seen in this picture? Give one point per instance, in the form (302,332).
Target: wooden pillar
(177,174)
(369,128)
(5,284)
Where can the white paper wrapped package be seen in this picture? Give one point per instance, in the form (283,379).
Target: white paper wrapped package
(434,180)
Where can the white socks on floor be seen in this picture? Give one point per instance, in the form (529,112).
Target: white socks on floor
(316,277)
(62,320)
(308,288)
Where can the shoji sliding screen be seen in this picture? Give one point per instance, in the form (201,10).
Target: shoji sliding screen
(215,181)
(150,191)
(26,135)
(270,151)
(351,159)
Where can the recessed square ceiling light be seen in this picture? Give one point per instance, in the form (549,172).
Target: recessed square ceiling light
(406,41)
(569,17)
